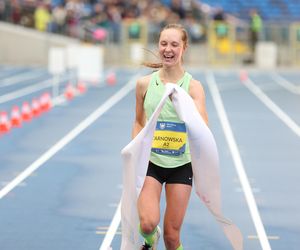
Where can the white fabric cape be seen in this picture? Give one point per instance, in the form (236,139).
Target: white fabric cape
(205,165)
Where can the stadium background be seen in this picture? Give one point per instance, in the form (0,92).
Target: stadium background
(139,22)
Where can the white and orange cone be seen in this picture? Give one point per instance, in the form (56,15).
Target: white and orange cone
(16,118)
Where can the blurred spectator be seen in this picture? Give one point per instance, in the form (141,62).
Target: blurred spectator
(15,13)
(177,7)
(219,14)
(75,10)
(114,22)
(99,16)
(27,13)
(59,18)
(131,15)
(196,10)
(132,9)
(158,14)
(255,28)
(95,28)
(42,17)
(2,10)
(5,10)
(194,28)
(221,26)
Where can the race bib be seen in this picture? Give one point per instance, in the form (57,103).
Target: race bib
(169,138)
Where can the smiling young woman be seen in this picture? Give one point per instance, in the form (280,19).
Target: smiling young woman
(170,159)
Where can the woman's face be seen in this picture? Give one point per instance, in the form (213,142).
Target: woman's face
(171,47)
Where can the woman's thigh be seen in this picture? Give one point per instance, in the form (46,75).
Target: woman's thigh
(149,199)
(177,198)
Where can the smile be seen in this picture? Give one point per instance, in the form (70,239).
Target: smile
(168,56)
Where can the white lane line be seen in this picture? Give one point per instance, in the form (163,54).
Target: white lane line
(238,162)
(20,78)
(28,90)
(286,84)
(69,137)
(270,237)
(7,72)
(36,87)
(112,230)
(272,106)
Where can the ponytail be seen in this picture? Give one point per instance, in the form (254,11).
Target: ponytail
(152,65)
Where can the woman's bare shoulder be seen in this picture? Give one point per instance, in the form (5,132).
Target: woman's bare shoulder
(196,87)
(143,83)
(144,80)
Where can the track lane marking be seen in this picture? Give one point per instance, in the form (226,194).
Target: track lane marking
(112,230)
(239,165)
(20,78)
(286,84)
(69,137)
(27,90)
(270,237)
(288,121)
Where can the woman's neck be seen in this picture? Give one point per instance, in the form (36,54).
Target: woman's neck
(173,74)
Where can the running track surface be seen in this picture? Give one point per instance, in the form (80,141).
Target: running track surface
(61,173)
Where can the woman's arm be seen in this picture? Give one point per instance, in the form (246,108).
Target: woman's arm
(198,95)
(140,116)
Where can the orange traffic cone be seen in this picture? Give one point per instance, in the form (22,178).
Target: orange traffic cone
(15,118)
(243,75)
(45,102)
(81,87)
(26,112)
(35,107)
(111,79)
(4,123)
(69,93)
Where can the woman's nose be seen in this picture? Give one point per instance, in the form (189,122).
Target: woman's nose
(168,47)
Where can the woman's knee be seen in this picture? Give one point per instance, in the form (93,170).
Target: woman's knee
(171,238)
(147,225)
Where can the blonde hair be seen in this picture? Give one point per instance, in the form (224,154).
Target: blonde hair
(184,39)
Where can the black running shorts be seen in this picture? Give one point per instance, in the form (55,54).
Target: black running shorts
(181,175)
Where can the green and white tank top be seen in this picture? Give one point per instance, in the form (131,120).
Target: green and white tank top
(170,146)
